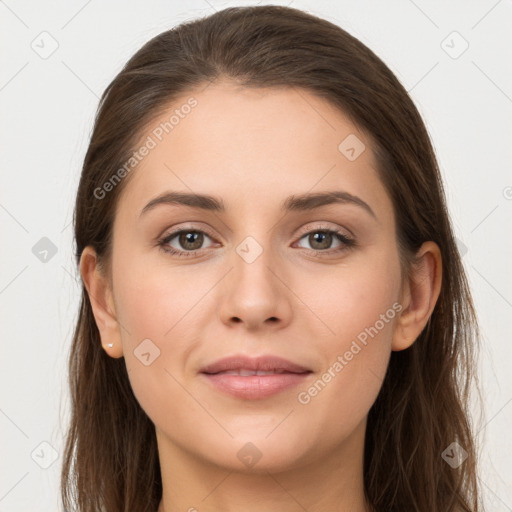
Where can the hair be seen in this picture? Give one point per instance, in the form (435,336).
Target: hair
(111,457)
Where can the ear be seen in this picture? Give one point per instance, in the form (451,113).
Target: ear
(419,296)
(100,294)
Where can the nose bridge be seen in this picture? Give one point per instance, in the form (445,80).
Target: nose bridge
(252,278)
(253,294)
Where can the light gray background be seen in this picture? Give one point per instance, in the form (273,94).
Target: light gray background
(47,108)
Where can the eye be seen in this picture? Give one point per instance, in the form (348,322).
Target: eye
(321,240)
(187,243)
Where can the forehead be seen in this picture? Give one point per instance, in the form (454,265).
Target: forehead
(253,146)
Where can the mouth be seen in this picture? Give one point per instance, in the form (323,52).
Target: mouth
(254,378)
(243,363)
(244,372)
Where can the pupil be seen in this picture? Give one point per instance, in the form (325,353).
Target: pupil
(191,237)
(321,238)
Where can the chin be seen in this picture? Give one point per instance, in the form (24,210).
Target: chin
(259,454)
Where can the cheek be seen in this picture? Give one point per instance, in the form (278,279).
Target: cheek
(152,300)
(154,312)
(351,298)
(359,308)
(342,394)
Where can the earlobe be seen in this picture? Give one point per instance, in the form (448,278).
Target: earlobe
(421,292)
(100,297)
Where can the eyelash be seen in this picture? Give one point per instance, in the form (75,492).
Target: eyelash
(344,239)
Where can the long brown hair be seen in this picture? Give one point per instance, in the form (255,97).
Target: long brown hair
(111,457)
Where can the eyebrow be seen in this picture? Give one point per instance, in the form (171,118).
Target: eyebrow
(302,202)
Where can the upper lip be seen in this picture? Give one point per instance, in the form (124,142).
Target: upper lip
(262,363)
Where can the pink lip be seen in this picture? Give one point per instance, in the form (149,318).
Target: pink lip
(254,387)
(262,363)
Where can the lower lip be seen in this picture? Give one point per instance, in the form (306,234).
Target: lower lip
(254,387)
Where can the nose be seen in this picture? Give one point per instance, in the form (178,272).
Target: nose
(255,295)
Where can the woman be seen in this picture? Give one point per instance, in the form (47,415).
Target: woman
(274,314)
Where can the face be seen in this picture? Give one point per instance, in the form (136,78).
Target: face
(279,271)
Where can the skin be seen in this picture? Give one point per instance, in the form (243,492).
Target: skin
(254,148)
